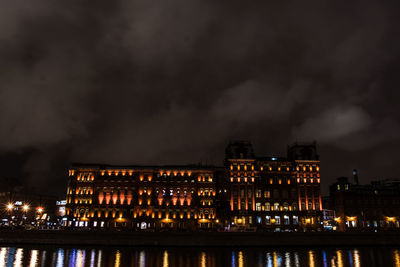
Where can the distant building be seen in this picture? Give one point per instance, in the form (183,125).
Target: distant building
(21,209)
(374,206)
(264,193)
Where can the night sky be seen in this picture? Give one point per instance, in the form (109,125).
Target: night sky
(172,81)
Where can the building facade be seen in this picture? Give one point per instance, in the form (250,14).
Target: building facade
(248,192)
(274,193)
(142,197)
(370,207)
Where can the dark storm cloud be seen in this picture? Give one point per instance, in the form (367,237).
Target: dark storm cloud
(173,81)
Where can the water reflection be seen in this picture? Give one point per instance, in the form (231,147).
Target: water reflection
(311,258)
(34,258)
(105,257)
(396,258)
(18,257)
(60,258)
(117,262)
(165,259)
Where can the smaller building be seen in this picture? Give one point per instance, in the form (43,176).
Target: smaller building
(27,210)
(370,207)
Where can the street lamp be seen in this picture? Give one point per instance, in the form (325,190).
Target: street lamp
(10,206)
(25,207)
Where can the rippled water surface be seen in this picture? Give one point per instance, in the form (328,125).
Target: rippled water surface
(269,257)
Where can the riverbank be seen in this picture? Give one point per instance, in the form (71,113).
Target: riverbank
(202,239)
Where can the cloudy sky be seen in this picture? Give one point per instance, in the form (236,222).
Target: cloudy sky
(172,81)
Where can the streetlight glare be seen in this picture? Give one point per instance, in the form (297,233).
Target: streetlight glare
(10,206)
(40,209)
(25,207)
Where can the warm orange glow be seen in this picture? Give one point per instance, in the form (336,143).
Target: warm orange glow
(245,179)
(168,173)
(115,197)
(261,168)
(391,219)
(10,206)
(318,180)
(189,173)
(123,173)
(351,218)
(149,178)
(39,209)
(280,181)
(102,173)
(129,197)
(101,197)
(108,198)
(288,181)
(130,173)
(122,196)
(116,173)
(109,173)
(252,179)
(270,181)
(141,177)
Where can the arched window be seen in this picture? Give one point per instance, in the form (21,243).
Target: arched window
(285,206)
(267,206)
(276,206)
(294,206)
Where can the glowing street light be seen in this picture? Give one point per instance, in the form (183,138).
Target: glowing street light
(40,209)
(10,206)
(25,207)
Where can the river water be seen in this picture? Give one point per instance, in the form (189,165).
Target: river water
(173,256)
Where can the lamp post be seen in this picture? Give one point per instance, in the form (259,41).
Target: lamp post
(10,208)
(25,209)
(39,211)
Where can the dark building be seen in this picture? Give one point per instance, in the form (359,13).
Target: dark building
(374,206)
(22,209)
(249,192)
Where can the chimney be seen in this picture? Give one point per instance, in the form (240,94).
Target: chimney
(355,175)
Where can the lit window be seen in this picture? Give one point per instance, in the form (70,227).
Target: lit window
(258,206)
(286,220)
(267,220)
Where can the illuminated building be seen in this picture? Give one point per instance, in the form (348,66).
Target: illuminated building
(373,207)
(270,193)
(142,197)
(274,193)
